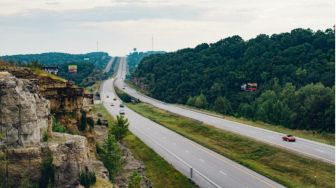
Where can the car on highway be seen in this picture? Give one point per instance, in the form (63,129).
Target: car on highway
(107,96)
(114,99)
(122,112)
(112,104)
(288,138)
(121,105)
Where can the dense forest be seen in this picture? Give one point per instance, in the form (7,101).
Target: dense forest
(134,58)
(89,66)
(294,73)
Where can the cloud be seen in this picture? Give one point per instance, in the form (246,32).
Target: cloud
(51,18)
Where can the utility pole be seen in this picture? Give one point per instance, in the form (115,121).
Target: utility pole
(152,43)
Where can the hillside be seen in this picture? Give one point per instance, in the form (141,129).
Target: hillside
(89,66)
(134,58)
(294,73)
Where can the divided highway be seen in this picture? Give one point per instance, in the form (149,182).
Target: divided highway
(204,167)
(306,147)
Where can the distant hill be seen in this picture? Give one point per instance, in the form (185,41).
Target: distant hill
(134,58)
(294,73)
(89,65)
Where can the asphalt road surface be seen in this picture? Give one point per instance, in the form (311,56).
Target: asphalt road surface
(109,64)
(209,169)
(306,147)
(205,167)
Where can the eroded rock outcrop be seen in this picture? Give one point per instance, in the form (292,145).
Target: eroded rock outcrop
(70,157)
(24,114)
(24,124)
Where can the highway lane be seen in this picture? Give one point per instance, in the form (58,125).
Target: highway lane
(209,168)
(306,147)
(109,65)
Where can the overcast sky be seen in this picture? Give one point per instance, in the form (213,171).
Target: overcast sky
(75,26)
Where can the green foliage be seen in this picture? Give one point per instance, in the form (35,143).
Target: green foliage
(83,121)
(134,58)
(89,70)
(222,105)
(87,178)
(110,155)
(47,169)
(120,128)
(286,66)
(123,96)
(45,136)
(90,121)
(285,167)
(1,136)
(57,126)
(134,180)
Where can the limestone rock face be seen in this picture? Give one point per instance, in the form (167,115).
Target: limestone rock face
(24,114)
(71,155)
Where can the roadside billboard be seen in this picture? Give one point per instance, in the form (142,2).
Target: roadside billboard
(72,68)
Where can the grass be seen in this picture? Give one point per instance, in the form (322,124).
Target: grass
(326,138)
(42,73)
(280,165)
(159,171)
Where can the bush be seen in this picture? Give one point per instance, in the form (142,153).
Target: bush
(87,178)
(134,180)
(83,121)
(57,126)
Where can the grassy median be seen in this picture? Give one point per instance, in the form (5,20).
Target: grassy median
(280,165)
(159,171)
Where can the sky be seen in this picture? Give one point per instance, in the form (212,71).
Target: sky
(118,26)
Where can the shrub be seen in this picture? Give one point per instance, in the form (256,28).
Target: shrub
(134,180)
(87,178)
(57,126)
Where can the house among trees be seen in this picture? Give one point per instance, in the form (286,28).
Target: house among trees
(51,69)
(249,86)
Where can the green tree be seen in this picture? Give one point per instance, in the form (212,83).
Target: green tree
(201,101)
(120,128)
(222,105)
(111,156)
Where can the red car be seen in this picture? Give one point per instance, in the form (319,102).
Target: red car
(288,138)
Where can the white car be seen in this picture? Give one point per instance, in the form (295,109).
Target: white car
(122,112)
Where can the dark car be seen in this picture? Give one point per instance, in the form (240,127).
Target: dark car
(289,138)
(121,105)
(114,99)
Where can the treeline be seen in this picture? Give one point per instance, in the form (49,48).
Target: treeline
(134,58)
(89,66)
(294,72)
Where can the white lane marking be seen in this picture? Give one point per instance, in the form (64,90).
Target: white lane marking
(202,160)
(222,173)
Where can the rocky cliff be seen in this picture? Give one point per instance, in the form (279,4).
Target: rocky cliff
(24,124)
(24,114)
